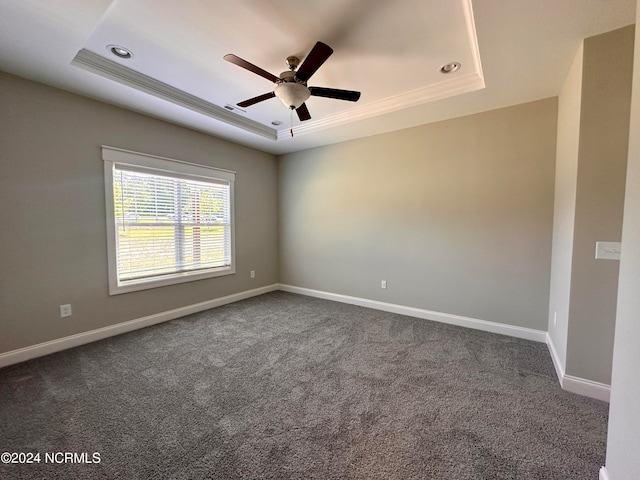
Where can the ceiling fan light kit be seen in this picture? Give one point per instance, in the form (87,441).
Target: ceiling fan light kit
(291,86)
(292,94)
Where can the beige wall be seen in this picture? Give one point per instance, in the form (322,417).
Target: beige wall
(52,223)
(455,215)
(623,442)
(565,206)
(602,163)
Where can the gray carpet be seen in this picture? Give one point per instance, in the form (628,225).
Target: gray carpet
(283,386)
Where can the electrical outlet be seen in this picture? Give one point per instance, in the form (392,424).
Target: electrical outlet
(252,274)
(383,284)
(555,318)
(65,311)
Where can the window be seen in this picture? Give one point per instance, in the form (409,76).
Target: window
(167,221)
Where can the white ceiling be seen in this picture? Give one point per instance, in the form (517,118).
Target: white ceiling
(511,51)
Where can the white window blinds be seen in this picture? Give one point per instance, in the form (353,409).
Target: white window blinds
(169,225)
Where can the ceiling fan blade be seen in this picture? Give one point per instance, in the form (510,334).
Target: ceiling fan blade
(349,95)
(317,56)
(258,99)
(303,112)
(251,67)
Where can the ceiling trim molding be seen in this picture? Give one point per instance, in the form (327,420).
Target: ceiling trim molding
(462,84)
(472,35)
(104,67)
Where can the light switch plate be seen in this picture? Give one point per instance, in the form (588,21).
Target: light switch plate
(608,250)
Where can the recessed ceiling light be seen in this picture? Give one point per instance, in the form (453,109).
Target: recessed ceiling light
(276,123)
(119,51)
(450,67)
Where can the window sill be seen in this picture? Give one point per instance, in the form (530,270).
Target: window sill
(166,280)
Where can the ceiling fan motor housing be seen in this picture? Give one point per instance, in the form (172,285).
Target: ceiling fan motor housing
(288,76)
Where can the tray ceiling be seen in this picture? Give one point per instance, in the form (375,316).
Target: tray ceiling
(510,52)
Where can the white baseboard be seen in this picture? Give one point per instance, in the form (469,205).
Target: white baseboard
(41,349)
(603,474)
(493,327)
(555,358)
(581,386)
(588,388)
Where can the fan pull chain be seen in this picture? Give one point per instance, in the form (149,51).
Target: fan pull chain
(291,122)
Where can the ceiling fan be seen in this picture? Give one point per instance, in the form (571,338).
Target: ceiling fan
(291,87)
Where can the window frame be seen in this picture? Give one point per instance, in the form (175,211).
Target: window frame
(112,156)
